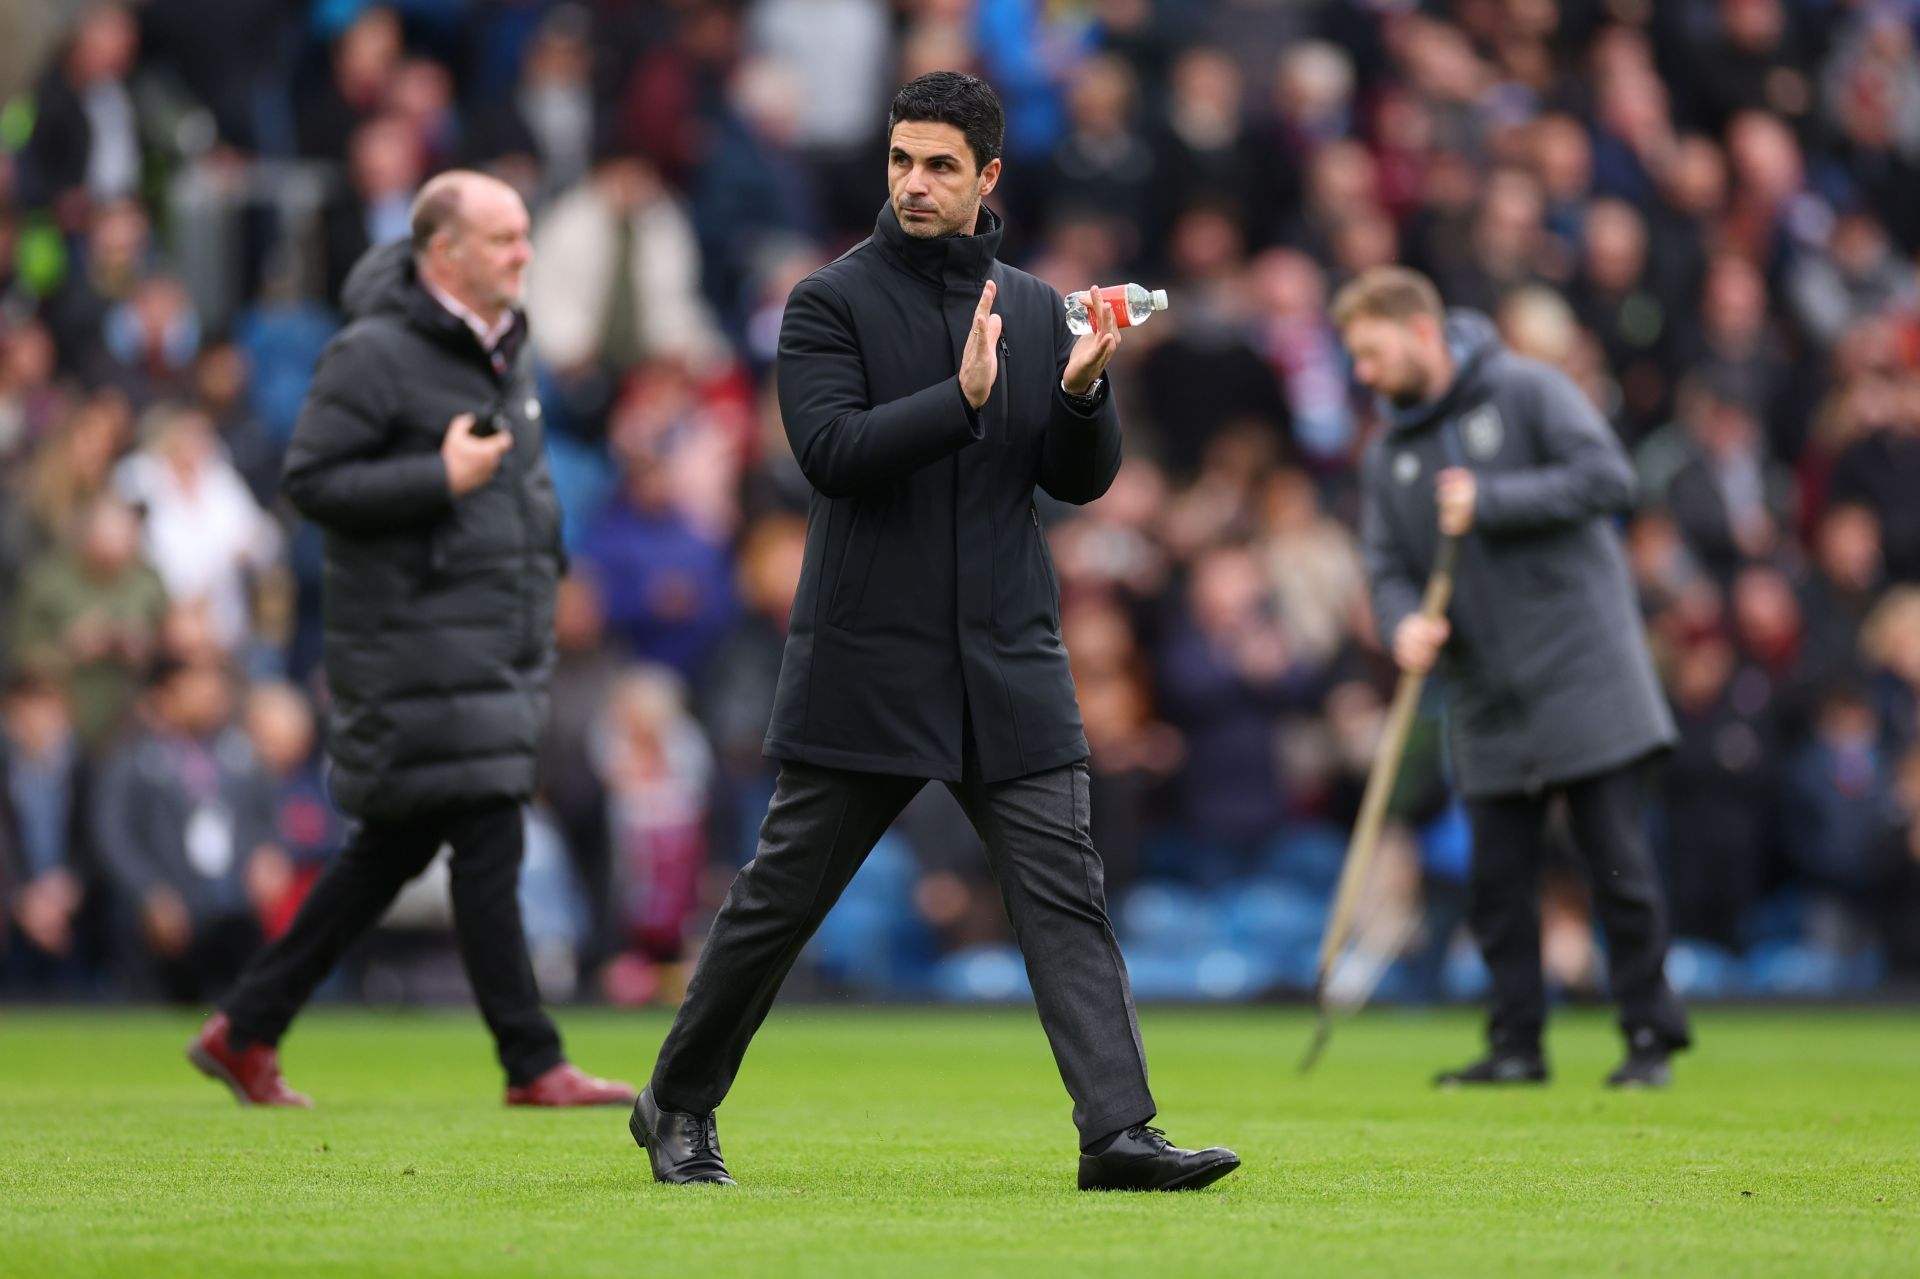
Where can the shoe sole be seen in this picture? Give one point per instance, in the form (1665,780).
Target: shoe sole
(1198,1179)
(207,1064)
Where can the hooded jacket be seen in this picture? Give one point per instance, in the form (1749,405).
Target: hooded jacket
(438,611)
(1547,674)
(927,597)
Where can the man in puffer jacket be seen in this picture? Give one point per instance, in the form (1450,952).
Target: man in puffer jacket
(419,453)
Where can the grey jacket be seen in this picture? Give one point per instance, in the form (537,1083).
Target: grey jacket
(1547,673)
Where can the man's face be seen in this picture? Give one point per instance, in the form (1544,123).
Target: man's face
(932,179)
(1392,358)
(486,249)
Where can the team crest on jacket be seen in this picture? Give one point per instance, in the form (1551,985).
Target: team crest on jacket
(1481,431)
(1406,467)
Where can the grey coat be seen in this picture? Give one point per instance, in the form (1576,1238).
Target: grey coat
(1547,673)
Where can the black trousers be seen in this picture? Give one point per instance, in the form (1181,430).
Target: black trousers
(487,840)
(1607,813)
(819,828)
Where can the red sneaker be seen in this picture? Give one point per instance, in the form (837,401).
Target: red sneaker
(568,1085)
(253,1073)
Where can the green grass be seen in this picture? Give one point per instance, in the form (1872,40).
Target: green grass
(884,1142)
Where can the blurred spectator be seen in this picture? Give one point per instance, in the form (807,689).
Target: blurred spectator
(1897,856)
(220,385)
(110,268)
(666,581)
(1207,151)
(362,65)
(46,874)
(550,118)
(1724,497)
(384,169)
(1835,805)
(1872,98)
(421,98)
(1890,642)
(1619,299)
(91,607)
(1847,576)
(1753,63)
(85,144)
(1880,470)
(1135,753)
(184,822)
(616,275)
(735,693)
(658,772)
(754,194)
(567,776)
(1716,792)
(308,829)
(1290,300)
(71,468)
(151,340)
(1104,164)
(1207,376)
(31,402)
(205,534)
(1853,276)
(1228,669)
(1506,247)
(1313,561)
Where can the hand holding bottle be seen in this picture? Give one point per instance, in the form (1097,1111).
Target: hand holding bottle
(1119,306)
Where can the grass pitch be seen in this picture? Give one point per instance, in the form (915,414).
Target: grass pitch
(893,1142)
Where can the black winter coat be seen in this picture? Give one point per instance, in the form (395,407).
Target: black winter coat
(439,612)
(1547,673)
(927,592)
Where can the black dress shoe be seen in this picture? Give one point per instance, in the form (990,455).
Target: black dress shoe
(1496,1068)
(1643,1068)
(1141,1158)
(683,1149)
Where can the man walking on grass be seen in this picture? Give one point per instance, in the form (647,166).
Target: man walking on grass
(418,452)
(927,390)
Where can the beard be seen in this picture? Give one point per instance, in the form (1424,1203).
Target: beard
(1410,392)
(938,224)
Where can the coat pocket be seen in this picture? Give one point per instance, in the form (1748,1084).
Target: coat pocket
(856,566)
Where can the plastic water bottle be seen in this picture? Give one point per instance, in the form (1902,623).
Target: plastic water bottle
(1131,305)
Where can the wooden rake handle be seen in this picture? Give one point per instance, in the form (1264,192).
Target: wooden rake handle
(1385,771)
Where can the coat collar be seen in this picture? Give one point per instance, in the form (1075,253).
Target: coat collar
(947,261)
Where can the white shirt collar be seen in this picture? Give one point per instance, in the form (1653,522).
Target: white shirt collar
(489,336)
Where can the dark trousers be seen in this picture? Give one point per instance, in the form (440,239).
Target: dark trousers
(1608,816)
(487,841)
(819,828)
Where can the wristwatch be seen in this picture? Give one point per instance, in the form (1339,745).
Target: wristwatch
(1088,400)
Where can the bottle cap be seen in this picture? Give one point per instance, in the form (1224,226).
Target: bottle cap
(1159,299)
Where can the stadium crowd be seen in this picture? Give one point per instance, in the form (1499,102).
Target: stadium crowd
(1707,212)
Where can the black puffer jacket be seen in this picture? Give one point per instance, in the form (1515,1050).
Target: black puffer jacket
(439,613)
(927,592)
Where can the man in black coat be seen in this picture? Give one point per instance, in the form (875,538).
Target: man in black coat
(419,453)
(927,389)
(1550,688)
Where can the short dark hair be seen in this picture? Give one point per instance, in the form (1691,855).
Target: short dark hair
(964,101)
